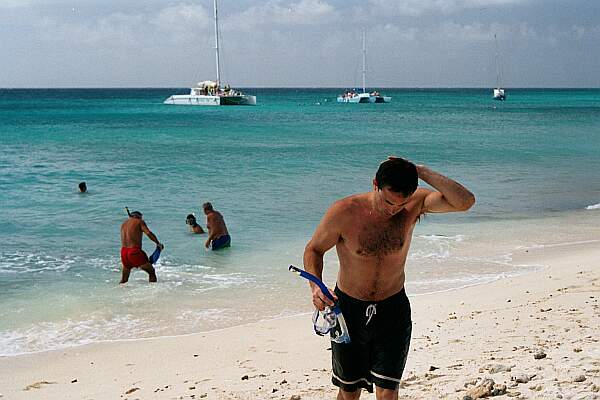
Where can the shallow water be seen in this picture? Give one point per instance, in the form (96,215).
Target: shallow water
(272,170)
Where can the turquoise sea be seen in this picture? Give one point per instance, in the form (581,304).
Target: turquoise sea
(272,170)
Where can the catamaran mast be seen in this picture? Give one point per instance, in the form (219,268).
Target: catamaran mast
(497,64)
(217,44)
(364,70)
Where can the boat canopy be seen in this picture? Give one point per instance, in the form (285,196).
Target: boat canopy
(208,84)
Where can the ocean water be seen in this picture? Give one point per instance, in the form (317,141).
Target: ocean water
(272,170)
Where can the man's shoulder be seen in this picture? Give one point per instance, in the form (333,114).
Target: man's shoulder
(134,223)
(350,203)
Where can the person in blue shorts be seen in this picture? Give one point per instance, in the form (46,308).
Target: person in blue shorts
(218,236)
(372,233)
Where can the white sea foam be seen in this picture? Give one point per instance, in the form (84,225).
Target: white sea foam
(453,238)
(45,336)
(593,207)
(27,263)
(435,247)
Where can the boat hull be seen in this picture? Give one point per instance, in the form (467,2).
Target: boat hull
(358,98)
(380,99)
(364,98)
(205,100)
(499,94)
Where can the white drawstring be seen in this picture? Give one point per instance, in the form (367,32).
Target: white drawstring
(371,310)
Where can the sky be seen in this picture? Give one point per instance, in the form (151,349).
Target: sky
(300,43)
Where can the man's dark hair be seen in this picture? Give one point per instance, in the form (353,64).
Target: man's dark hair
(190,219)
(82,186)
(207,206)
(136,214)
(399,175)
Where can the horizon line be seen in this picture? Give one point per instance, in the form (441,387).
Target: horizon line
(299,87)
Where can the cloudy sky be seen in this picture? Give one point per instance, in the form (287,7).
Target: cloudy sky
(306,43)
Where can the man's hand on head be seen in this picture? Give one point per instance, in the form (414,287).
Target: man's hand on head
(421,170)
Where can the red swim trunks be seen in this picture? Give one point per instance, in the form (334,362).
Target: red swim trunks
(133,257)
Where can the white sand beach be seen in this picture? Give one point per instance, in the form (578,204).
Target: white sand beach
(535,336)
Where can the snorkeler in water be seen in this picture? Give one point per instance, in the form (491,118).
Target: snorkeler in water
(194,227)
(132,255)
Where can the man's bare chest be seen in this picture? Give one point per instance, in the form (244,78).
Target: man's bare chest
(380,238)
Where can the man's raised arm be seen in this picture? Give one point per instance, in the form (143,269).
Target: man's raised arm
(451,195)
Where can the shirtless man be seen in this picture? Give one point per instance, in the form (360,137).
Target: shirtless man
(132,255)
(372,233)
(218,237)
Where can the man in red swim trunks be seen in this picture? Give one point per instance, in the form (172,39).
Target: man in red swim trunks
(132,255)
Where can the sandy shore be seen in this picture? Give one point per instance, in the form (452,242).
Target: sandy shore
(536,336)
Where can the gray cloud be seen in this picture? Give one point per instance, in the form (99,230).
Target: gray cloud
(298,42)
(419,7)
(276,13)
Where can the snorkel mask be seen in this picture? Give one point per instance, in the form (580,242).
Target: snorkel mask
(330,320)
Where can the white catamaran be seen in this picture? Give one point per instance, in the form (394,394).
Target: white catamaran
(210,93)
(351,96)
(498,92)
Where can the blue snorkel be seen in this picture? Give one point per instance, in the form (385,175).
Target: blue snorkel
(333,316)
(314,279)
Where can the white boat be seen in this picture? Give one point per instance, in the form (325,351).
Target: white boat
(210,93)
(498,92)
(351,96)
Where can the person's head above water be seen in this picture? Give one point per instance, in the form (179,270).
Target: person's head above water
(136,214)
(82,187)
(398,175)
(207,207)
(190,219)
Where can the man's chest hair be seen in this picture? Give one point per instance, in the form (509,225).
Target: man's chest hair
(382,238)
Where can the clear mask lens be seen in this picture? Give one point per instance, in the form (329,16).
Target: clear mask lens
(324,321)
(328,322)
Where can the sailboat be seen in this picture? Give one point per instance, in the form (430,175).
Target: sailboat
(351,96)
(498,92)
(209,92)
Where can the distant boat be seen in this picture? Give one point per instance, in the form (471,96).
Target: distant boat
(498,92)
(351,96)
(210,93)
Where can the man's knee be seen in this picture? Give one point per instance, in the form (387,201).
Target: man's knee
(343,395)
(386,394)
